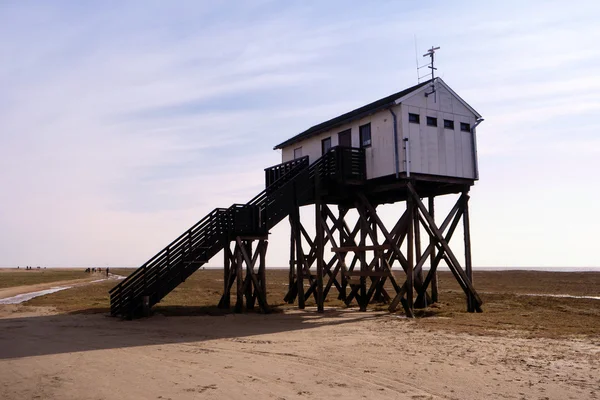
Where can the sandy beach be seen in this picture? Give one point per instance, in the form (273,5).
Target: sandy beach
(46,353)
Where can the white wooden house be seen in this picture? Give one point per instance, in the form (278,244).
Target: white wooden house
(426,129)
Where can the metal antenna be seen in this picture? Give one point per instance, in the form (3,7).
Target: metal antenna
(417,59)
(431,54)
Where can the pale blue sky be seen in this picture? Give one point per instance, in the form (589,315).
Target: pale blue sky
(123,123)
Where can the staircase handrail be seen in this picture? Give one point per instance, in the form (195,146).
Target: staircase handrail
(138,271)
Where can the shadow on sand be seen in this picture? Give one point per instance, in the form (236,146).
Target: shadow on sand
(68,333)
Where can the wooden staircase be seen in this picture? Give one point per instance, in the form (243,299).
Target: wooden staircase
(195,247)
(288,186)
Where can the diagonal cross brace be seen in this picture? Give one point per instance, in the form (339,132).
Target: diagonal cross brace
(454,265)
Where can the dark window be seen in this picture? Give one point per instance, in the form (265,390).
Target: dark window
(431,121)
(414,118)
(465,127)
(448,124)
(345,138)
(325,145)
(298,153)
(365,135)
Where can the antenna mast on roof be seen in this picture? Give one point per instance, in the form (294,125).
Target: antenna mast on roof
(430,53)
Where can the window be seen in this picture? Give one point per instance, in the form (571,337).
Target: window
(365,135)
(298,153)
(345,138)
(431,121)
(414,118)
(465,127)
(325,145)
(448,124)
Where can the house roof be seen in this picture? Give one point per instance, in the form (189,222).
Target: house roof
(350,116)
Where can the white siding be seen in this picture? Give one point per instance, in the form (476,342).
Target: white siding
(433,150)
(379,156)
(436,150)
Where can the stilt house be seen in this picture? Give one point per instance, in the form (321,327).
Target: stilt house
(415,144)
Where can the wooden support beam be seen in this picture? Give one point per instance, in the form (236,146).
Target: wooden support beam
(247,245)
(454,217)
(410,258)
(364,231)
(290,296)
(240,284)
(434,279)
(299,253)
(471,306)
(369,273)
(403,261)
(347,249)
(262,301)
(332,276)
(319,252)
(456,214)
(225,298)
(454,265)
(420,302)
(262,273)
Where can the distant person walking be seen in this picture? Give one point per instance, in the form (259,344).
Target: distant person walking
(107,272)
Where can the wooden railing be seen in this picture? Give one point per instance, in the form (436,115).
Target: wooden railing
(341,164)
(274,173)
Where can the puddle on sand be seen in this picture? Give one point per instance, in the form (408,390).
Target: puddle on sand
(20,298)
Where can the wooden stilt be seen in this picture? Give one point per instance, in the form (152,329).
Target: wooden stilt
(344,282)
(319,253)
(454,265)
(248,294)
(240,283)
(363,264)
(421,301)
(410,258)
(225,299)
(291,284)
(468,261)
(299,265)
(434,278)
(262,273)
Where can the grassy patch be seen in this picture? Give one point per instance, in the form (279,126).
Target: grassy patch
(507,310)
(12,278)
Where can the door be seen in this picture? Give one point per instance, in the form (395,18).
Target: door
(345,138)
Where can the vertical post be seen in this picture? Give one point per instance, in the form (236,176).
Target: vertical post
(421,300)
(344,281)
(468,261)
(262,274)
(364,225)
(290,299)
(240,279)
(434,278)
(226,275)
(319,251)
(378,262)
(299,263)
(410,256)
(298,240)
(248,279)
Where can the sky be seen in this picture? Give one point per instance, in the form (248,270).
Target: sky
(124,123)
